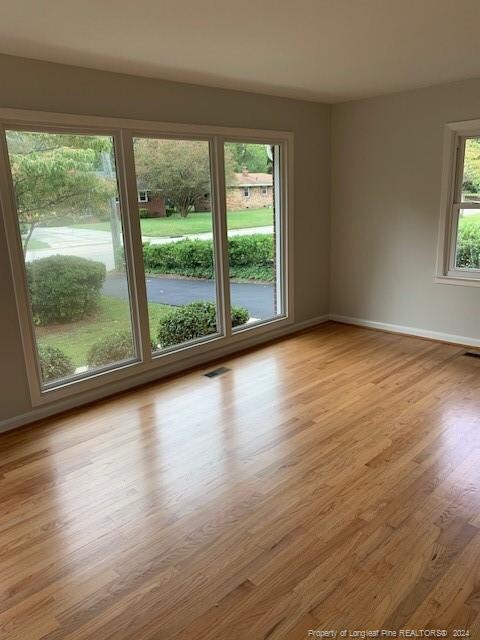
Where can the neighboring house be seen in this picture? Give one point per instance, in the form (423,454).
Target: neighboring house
(246,191)
(151,205)
(250,191)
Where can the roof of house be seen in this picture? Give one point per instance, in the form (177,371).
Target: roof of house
(246,179)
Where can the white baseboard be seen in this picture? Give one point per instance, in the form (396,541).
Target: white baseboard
(409,331)
(71,402)
(312,322)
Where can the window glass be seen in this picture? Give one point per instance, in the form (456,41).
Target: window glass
(68,214)
(471,171)
(254,231)
(177,232)
(468,240)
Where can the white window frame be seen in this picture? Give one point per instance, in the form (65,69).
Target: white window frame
(455,135)
(246,192)
(283,238)
(122,130)
(264,191)
(142,196)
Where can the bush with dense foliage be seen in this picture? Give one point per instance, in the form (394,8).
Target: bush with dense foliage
(192,321)
(64,288)
(115,347)
(54,364)
(468,246)
(251,257)
(146,214)
(186,257)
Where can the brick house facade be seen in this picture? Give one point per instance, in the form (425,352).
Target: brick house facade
(153,206)
(250,191)
(247,191)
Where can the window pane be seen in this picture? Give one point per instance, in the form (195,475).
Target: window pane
(468,239)
(177,232)
(471,171)
(69,219)
(253,231)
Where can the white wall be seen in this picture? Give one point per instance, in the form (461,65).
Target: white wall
(386,160)
(386,175)
(28,84)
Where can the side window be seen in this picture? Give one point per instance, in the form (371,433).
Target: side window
(466,208)
(459,234)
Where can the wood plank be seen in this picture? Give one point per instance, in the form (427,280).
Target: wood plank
(329,480)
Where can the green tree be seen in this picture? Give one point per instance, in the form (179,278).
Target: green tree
(178,170)
(55,175)
(471,172)
(253,157)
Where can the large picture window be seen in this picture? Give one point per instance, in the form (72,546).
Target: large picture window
(135,247)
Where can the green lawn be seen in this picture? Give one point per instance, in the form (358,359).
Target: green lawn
(37,244)
(473,218)
(193,223)
(76,338)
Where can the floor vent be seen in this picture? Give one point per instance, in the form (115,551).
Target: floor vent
(217,372)
(472,354)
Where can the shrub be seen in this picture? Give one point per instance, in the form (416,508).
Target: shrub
(145,213)
(240,316)
(186,257)
(114,347)
(192,321)
(251,257)
(54,364)
(64,288)
(248,251)
(468,247)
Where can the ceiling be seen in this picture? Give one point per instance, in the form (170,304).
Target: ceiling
(325,50)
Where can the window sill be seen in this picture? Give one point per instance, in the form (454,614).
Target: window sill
(178,359)
(459,280)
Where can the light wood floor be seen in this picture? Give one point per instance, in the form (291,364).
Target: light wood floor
(328,481)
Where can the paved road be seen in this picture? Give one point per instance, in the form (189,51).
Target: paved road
(257,298)
(97,245)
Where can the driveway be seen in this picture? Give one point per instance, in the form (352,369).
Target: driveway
(257,298)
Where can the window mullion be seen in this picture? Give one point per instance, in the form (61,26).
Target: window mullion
(456,202)
(460,158)
(452,249)
(222,262)
(280,231)
(134,245)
